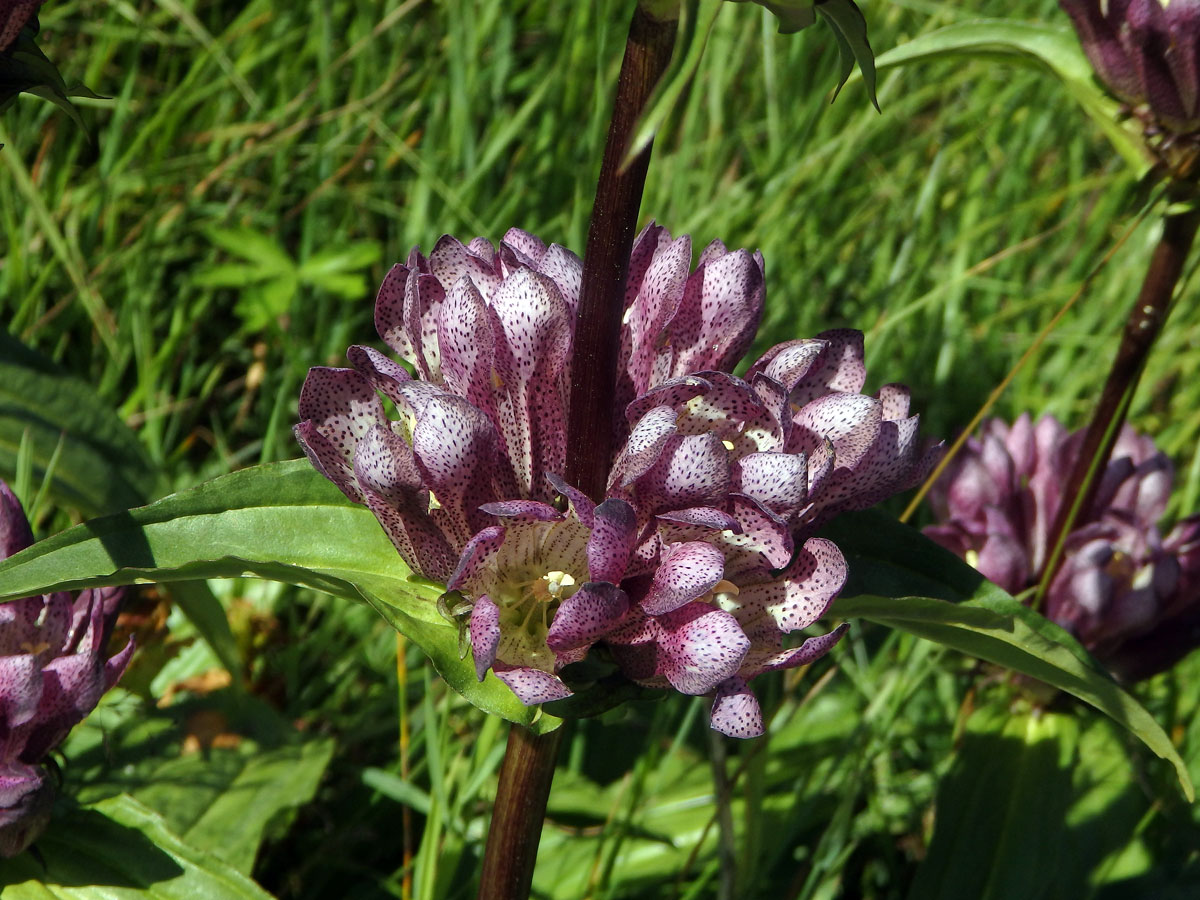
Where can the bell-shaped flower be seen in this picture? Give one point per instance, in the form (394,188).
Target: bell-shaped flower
(1147,52)
(53,672)
(488,333)
(1120,581)
(471,430)
(714,613)
(544,588)
(796,435)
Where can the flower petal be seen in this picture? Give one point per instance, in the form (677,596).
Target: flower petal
(718,315)
(392,488)
(532,686)
(566,270)
(693,470)
(644,446)
(523,511)
(658,294)
(342,406)
(15,534)
(465,338)
(614,535)
(532,332)
(686,572)
(735,711)
(476,555)
(528,248)
(450,260)
(815,578)
(779,481)
(455,448)
(586,616)
(699,647)
(485,634)
(810,651)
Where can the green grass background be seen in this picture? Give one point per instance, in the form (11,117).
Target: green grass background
(259,167)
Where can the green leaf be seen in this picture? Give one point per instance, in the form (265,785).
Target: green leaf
(793,15)
(222,801)
(253,246)
(281,521)
(694,32)
(901,579)
(1051,48)
(342,259)
(999,828)
(265,303)
(119,850)
(24,68)
(849,27)
(230,275)
(101,467)
(232,795)
(340,284)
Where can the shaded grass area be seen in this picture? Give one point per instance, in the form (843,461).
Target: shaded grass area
(259,167)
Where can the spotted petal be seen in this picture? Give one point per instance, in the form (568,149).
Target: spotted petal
(735,711)
(583,618)
(485,634)
(686,572)
(718,315)
(699,647)
(532,686)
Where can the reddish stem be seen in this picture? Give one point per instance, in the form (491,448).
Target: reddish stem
(518,813)
(1142,328)
(606,260)
(528,767)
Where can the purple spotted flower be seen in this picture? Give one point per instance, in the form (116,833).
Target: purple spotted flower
(796,435)
(717,609)
(1131,595)
(487,333)
(545,588)
(701,560)
(52,673)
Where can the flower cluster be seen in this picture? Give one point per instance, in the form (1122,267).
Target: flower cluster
(1146,52)
(701,558)
(52,674)
(1127,592)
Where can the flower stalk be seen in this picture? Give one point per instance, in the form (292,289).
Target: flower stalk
(1142,328)
(529,759)
(517,814)
(611,232)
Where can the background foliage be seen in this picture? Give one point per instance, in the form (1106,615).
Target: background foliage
(221,227)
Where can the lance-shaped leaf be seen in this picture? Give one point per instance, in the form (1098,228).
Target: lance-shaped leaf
(1050,48)
(281,521)
(902,580)
(89,459)
(119,848)
(100,465)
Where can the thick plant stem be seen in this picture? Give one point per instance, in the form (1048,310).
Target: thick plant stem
(606,258)
(529,759)
(1142,329)
(517,815)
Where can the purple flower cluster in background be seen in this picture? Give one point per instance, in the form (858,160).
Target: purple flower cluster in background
(53,672)
(1129,594)
(701,558)
(1147,52)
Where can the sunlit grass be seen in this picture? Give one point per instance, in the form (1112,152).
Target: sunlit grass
(950,228)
